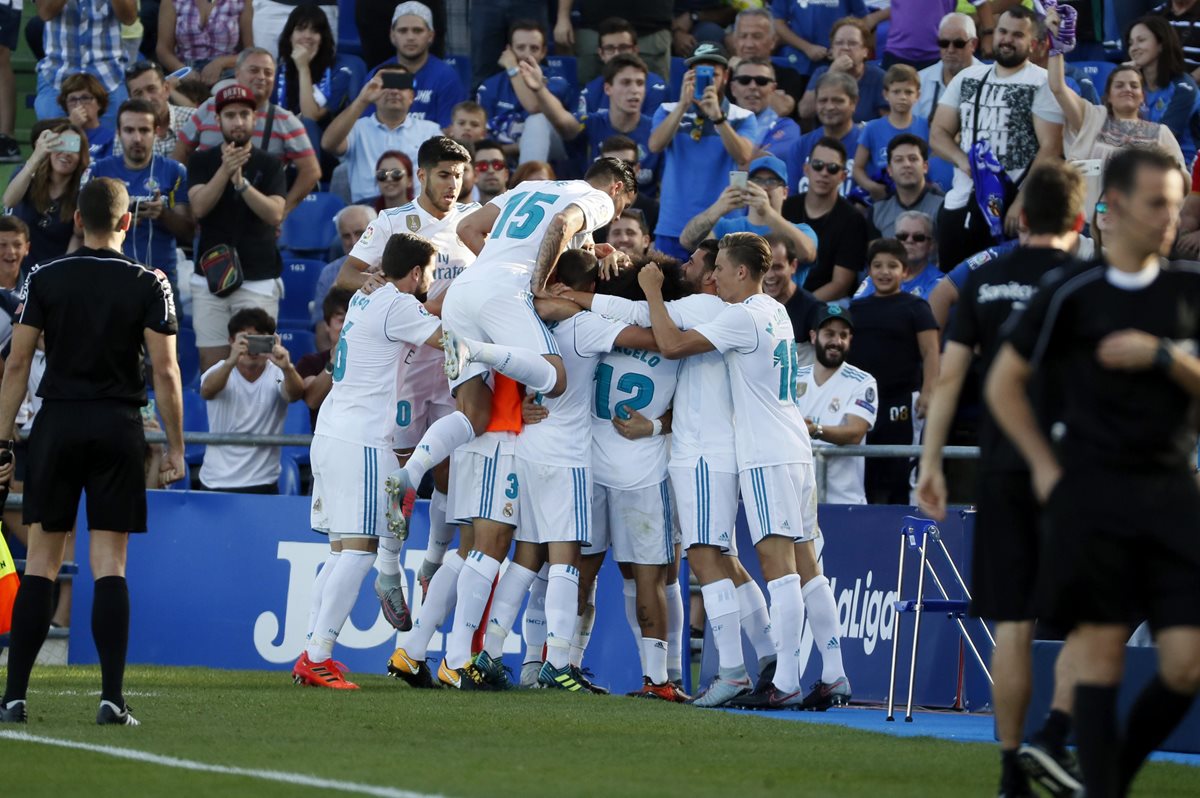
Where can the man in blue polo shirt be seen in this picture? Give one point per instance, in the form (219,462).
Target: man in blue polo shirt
(618,37)
(436,85)
(505,95)
(624,79)
(158,190)
(836,94)
(753,87)
(703,140)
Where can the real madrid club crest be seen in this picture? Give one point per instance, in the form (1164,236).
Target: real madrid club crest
(835,405)
(508,510)
(414,222)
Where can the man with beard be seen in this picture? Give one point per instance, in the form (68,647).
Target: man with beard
(1008,105)
(237,191)
(157,187)
(423,395)
(287,139)
(838,401)
(145,81)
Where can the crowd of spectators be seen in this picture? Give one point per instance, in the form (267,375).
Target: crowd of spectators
(876,145)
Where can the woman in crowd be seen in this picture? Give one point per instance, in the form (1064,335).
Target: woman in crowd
(1093,133)
(84,100)
(205,35)
(306,81)
(394,176)
(44,193)
(1170,93)
(532,170)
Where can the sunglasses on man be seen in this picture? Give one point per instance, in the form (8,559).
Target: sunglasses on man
(830,168)
(494,165)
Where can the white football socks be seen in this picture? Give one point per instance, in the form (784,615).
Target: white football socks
(441,532)
(787,616)
(823,620)
(439,442)
(674,631)
(517,363)
(721,607)
(583,629)
(318,589)
(562,606)
(474,589)
(506,603)
(756,622)
(654,654)
(535,617)
(433,611)
(340,593)
(387,561)
(629,589)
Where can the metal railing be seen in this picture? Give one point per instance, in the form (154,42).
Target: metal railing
(821,455)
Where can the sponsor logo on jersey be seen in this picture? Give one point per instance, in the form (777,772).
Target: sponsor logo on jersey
(865,405)
(1005,292)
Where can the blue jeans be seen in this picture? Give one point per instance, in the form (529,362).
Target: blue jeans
(46,104)
(489,31)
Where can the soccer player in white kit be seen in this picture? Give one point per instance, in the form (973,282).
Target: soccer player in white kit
(423,396)
(350,445)
(704,481)
(774,455)
(489,311)
(839,403)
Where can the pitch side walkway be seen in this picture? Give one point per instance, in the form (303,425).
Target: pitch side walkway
(958,726)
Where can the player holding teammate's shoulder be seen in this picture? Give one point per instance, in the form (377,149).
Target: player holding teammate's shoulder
(777,482)
(1121,502)
(351,449)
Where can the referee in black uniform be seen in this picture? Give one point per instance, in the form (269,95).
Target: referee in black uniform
(97,309)
(1004,560)
(1122,509)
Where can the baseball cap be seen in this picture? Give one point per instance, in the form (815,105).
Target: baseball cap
(708,53)
(237,93)
(830,311)
(414,9)
(771,164)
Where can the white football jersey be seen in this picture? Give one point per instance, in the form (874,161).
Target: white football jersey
(639,380)
(564,438)
(362,401)
(452,254)
(511,249)
(759,345)
(849,391)
(702,425)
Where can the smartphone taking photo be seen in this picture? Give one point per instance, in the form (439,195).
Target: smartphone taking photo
(260,344)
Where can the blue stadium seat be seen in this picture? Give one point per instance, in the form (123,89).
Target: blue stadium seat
(297,342)
(299,281)
(289,476)
(189,357)
(678,68)
(298,421)
(462,65)
(357,67)
(347,32)
(195,419)
(1096,71)
(309,228)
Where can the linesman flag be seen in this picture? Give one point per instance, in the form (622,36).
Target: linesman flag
(8,587)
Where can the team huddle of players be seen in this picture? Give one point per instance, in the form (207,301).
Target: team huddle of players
(575,421)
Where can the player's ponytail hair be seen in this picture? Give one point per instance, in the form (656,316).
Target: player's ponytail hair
(749,250)
(405,252)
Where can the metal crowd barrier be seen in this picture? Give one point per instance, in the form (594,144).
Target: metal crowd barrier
(821,455)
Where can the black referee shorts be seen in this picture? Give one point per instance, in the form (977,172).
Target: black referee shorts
(98,447)
(1122,547)
(1004,560)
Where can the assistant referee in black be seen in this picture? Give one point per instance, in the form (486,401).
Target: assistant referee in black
(100,311)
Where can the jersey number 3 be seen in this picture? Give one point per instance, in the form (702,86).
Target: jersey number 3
(526,218)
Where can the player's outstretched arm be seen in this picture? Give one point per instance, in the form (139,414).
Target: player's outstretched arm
(673,342)
(563,227)
(1007,394)
(931,485)
(474,229)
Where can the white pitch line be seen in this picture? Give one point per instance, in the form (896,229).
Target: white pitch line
(187,764)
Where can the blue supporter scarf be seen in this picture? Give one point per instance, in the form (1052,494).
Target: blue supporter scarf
(991,184)
(325,87)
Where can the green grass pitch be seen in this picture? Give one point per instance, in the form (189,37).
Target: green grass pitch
(529,743)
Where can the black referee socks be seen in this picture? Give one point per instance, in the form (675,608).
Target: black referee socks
(1096,733)
(32,610)
(1157,712)
(110,630)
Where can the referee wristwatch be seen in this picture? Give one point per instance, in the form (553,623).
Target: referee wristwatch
(1164,357)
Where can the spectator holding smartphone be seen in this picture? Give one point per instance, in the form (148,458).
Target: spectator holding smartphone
(248,392)
(84,101)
